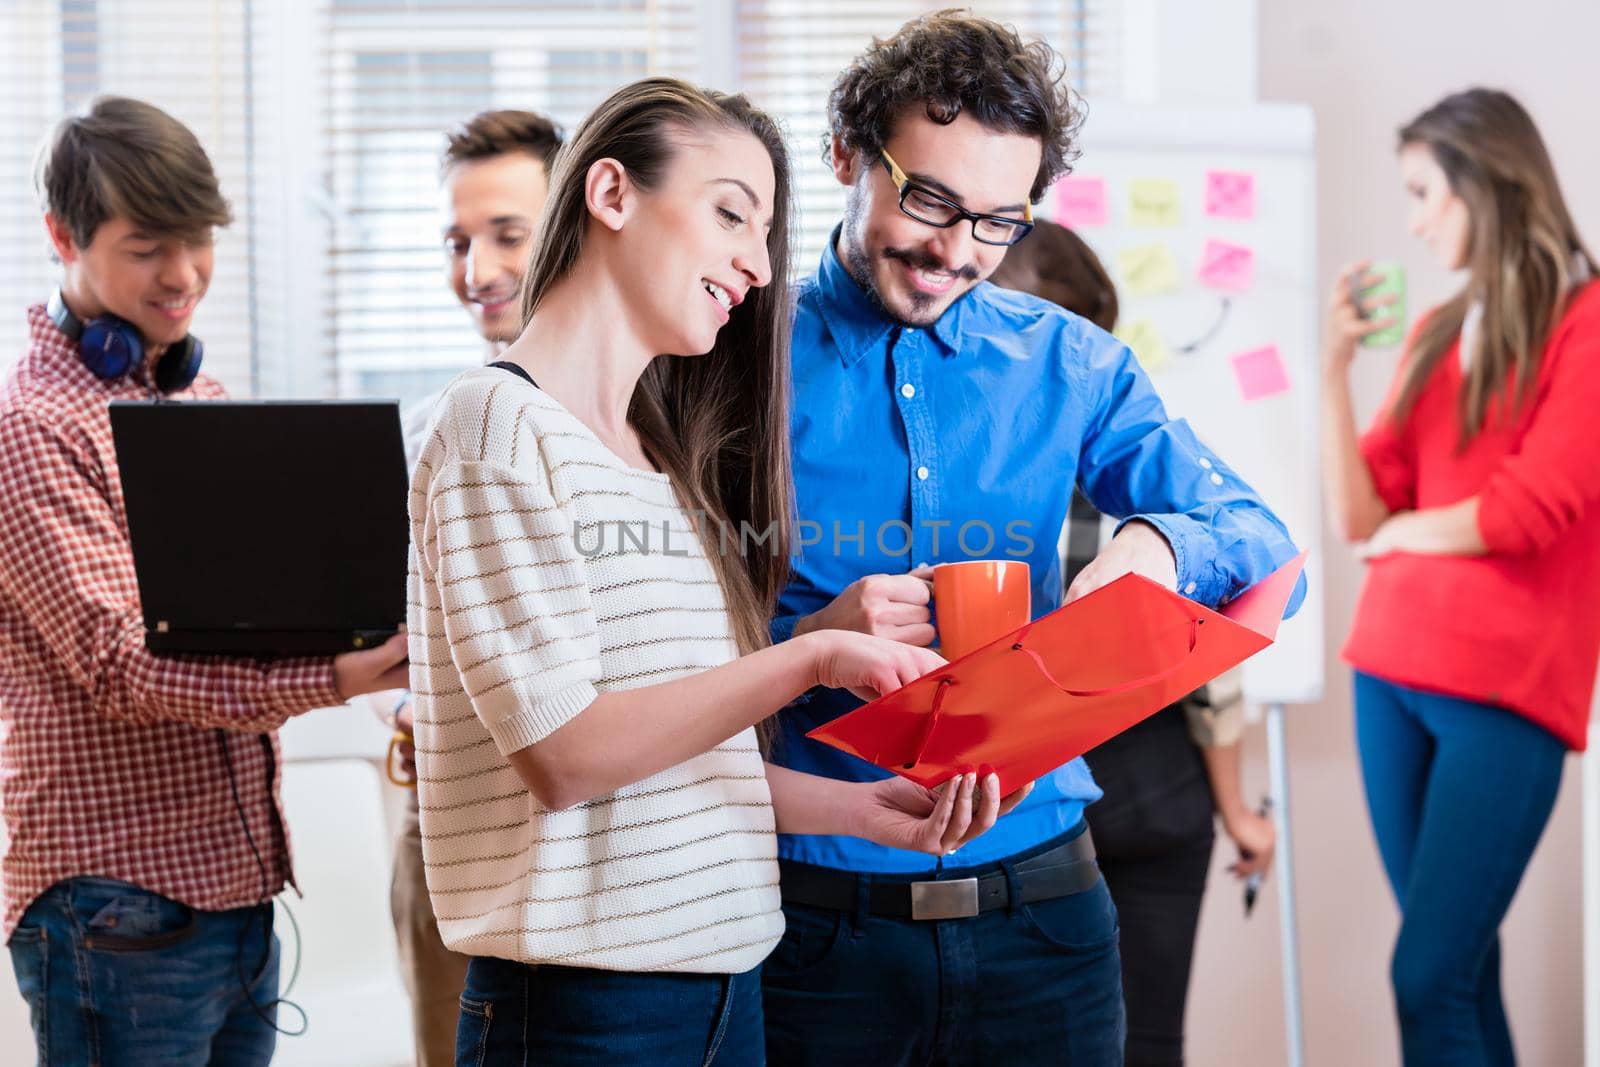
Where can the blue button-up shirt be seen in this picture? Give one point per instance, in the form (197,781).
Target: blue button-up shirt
(963,441)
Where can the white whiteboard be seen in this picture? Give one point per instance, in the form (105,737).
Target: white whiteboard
(1272,441)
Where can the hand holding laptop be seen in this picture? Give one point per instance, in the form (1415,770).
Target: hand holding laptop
(372,670)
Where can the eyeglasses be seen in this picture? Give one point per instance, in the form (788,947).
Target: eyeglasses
(928,207)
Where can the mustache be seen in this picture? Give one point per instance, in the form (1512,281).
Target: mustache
(923,261)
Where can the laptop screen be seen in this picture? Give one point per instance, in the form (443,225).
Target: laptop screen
(265,517)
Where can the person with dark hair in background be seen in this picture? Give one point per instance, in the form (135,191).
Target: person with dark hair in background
(1055,264)
(141,793)
(1477,497)
(1164,777)
(495,173)
(930,407)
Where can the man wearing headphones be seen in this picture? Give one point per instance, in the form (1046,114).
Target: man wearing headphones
(141,794)
(495,174)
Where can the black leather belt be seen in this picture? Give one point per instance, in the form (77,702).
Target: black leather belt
(1060,872)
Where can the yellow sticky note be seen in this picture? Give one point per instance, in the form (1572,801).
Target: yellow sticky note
(1148,346)
(1153,202)
(1148,269)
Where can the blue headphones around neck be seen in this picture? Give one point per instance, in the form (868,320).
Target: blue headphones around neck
(112,347)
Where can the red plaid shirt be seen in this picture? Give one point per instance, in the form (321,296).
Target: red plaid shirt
(111,759)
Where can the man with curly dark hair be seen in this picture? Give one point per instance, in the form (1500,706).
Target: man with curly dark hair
(939,418)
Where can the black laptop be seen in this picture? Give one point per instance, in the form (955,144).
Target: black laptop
(265,527)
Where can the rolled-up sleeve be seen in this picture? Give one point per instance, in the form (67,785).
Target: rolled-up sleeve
(1390,460)
(1389,448)
(1135,463)
(1214,713)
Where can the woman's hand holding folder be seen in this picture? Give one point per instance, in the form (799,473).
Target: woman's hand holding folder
(893,811)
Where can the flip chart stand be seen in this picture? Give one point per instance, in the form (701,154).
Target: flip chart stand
(1278,777)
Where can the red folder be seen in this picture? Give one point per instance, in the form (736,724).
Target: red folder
(1049,691)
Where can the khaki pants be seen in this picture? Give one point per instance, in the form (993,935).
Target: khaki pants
(434,975)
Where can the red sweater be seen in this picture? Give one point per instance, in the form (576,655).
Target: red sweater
(1519,627)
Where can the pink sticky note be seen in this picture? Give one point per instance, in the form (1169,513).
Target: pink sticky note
(1226,266)
(1230,194)
(1081,202)
(1260,373)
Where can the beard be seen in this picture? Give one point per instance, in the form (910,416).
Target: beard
(924,308)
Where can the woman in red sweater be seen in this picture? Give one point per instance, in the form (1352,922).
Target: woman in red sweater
(1475,494)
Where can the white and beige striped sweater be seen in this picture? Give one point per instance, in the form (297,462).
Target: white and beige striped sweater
(526,600)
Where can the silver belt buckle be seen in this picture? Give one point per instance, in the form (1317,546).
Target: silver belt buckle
(955,899)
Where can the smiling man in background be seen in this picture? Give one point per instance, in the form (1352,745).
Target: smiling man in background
(495,175)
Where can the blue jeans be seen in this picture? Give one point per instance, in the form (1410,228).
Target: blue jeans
(1459,793)
(114,974)
(512,1013)
(1034,984)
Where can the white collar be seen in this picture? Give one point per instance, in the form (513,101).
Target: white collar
(1472,321)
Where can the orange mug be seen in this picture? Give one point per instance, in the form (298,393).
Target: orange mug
(977,601)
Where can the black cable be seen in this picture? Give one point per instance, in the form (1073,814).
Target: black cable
(264,909)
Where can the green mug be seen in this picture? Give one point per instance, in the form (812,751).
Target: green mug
(1392,281)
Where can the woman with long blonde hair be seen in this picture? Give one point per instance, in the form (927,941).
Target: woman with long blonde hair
(1475,493)
(600,528)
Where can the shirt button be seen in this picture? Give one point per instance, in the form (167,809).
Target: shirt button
(1188,590)
(908,390)
(1216,479)
(922,474)
(1206,463)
